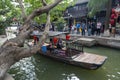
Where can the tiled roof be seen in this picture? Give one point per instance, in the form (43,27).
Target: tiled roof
(81,1)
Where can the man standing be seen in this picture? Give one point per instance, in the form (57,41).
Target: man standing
(83,29)
(89,28)
(78,27)
(99,24)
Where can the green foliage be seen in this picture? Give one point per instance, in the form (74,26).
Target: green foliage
(56,12)
(95,6)
(60,24)
(31,5)
(2,12)
(7,13)
(41,19)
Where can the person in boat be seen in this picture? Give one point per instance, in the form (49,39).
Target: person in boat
(67,37)
(44,47)
(55,40)
(50,46)
(35,37)
(59,43)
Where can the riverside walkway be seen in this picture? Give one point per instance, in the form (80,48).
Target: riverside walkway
(113,42)
(3,38)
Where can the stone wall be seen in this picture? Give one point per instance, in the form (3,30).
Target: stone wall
(105,41)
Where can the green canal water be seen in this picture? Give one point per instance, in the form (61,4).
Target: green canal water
(41,68)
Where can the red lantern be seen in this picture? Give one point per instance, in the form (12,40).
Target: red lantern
(112,16)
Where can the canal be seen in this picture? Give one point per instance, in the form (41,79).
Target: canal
(41,68)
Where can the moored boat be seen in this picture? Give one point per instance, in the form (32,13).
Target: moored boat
(77,57)
(73,53)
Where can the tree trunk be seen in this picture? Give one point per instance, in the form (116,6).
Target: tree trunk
(108,12)
(12,50)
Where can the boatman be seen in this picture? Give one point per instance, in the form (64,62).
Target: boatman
(35,37)
(67,37)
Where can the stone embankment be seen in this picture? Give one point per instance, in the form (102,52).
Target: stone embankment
(113,42)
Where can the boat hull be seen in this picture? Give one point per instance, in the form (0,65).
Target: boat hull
(71,61)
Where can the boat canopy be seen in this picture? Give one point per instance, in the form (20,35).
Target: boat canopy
(51,33)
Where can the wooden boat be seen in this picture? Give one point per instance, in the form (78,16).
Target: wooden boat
(73,54)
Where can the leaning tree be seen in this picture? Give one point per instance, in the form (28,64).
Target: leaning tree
(12,50)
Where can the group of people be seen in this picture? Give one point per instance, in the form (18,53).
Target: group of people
(91,28)
(114,18)
(95,28)
(56,43)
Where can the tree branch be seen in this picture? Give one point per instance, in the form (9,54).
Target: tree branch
(34,14)
(30,51)
(42,10)
(44,3)
(22,9)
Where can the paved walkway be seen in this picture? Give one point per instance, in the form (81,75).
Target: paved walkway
(114,40)
(3,38)
(117,37)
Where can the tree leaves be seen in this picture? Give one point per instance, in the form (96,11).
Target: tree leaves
(56,12)
(95,6)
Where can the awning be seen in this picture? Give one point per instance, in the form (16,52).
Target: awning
(51,33)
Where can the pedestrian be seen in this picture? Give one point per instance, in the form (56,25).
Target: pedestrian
(93,28)
(78,27)
(65,29)
(110,28)
(83,26)
(89,28)
(99,24)
(73,29)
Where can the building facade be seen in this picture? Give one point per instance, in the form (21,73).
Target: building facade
(79,11)
(76,13)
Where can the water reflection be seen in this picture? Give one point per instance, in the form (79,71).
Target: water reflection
(72,77)
(54,70)
(118,72)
